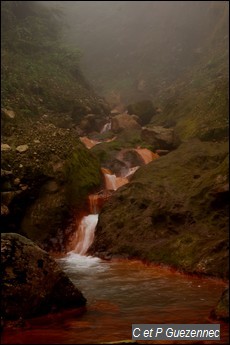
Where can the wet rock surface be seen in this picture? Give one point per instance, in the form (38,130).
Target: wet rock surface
(32,282)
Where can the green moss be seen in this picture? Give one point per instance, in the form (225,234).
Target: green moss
(144,110)
(198,109)
(83,175)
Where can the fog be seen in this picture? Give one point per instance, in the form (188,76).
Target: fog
(134,48)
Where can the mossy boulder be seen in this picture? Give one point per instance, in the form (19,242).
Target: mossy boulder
(83,175)
(221,310)
(119,155)
(160,138)
(174,211)
(144,110)
(89,105)
(124,122)
(91,123)
(32,282)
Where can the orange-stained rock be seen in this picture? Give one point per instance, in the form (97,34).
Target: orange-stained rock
(147,155)
(89,143)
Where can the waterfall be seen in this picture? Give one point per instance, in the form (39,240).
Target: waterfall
(87,226)
(112,182)
(94,200)
(85,233)
(106,127)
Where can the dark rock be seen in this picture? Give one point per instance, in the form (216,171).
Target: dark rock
(221,310)
(4,210)
(32,282)
(130,157)
(123,122)
(116,166)
(144,110)
(162,152)
(160,137)
(91,123)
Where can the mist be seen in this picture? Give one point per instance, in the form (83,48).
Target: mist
(114,171)
(135,48)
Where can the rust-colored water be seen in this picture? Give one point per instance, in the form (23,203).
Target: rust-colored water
(120,293)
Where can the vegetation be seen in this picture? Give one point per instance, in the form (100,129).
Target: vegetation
(83,175)
(39,73)
(197,104)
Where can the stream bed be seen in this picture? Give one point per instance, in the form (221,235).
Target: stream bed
(121,293)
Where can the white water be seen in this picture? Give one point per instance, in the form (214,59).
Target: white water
(110,182)
(106,127)
(85,265)
(85,233)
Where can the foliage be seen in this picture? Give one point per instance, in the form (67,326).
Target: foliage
(83,175)
(39,73)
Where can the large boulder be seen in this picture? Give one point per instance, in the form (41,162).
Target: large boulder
(32,282)
(159,137)
(91,123)
(144,110)
(174,211)
(89,106)
(124,122)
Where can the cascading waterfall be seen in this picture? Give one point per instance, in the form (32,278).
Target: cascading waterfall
(106,127)
(87,226)
(85,233)
(112,182)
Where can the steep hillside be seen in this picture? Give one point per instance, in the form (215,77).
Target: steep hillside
(39,73)
(46,172)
